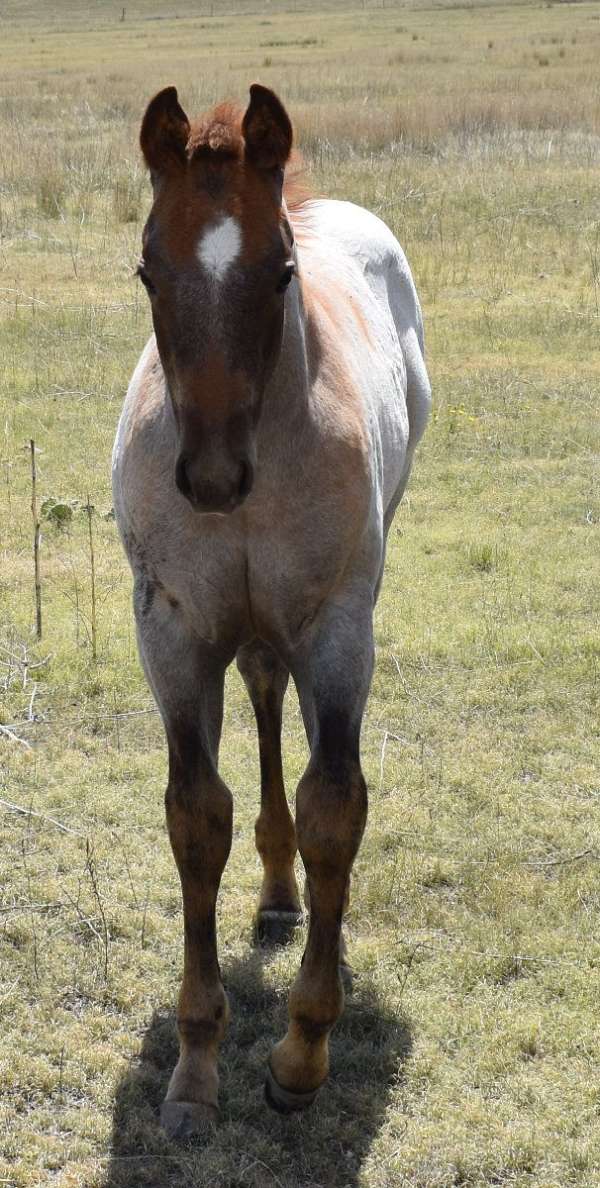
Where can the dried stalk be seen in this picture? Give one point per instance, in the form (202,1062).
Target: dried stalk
(10,734)
(36,545)
(105,938)
(25,812)
(93,573)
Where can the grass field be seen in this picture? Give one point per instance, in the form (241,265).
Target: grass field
(469,1053)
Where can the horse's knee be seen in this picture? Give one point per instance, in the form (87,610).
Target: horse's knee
(330,821)
(199,821)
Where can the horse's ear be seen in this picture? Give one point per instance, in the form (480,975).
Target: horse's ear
(267,129)
(164,132)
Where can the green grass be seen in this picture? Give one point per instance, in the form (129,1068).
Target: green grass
(469,1053)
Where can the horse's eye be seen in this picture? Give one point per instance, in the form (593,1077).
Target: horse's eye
(145,279)
(286,276)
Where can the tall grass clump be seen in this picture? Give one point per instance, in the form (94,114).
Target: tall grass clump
(127,197)
(50,193)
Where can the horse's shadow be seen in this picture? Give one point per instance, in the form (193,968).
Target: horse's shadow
(253,1147)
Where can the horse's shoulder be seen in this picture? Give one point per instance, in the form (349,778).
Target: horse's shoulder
(146,389)
(145,402)
(143,431)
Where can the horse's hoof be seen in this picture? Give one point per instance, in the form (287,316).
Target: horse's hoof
(185,1119)
(283,1101)
(274,927)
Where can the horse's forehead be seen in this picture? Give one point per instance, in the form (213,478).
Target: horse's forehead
(220,246)
(216,226)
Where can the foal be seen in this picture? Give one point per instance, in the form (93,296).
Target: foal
(266,440)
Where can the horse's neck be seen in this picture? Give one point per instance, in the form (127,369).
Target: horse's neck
(289,387)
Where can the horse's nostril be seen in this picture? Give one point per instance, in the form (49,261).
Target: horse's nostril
(245,480)
(181,476)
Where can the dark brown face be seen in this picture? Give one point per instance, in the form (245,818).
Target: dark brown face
(217,260)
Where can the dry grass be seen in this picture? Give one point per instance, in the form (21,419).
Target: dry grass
(470,1050)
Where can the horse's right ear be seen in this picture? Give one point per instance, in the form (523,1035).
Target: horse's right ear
(164,132)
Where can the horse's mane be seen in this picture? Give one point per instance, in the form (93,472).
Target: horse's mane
(218,134)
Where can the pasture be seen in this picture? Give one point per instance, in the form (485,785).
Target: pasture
(469,1052)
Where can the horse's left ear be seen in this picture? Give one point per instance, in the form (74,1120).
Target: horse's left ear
(267,129)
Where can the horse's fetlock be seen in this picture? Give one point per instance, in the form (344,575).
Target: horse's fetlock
(203,1025)
(315,1003)
(198,1033)
(314,1030)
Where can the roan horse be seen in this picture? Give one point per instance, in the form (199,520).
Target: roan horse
(266,440)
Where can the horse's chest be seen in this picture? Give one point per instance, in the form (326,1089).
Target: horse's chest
(271,585)
(266,570)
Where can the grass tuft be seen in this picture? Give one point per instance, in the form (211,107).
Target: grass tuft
(127,197)
(481,556)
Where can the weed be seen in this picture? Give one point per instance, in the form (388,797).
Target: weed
(481,556)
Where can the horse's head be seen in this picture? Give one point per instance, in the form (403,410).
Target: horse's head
(217,258)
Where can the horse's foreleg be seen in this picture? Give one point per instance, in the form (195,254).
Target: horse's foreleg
(188,686)
(279,908)
(331,810)
(199,813)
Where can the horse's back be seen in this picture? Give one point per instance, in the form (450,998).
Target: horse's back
(374,272)
(365,238)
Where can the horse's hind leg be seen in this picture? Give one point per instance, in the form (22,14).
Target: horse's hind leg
(187,681)
(279,908)
(331,807)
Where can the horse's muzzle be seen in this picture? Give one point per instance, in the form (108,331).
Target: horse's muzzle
(211,494)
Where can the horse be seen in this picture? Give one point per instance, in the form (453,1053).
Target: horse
(266,439)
